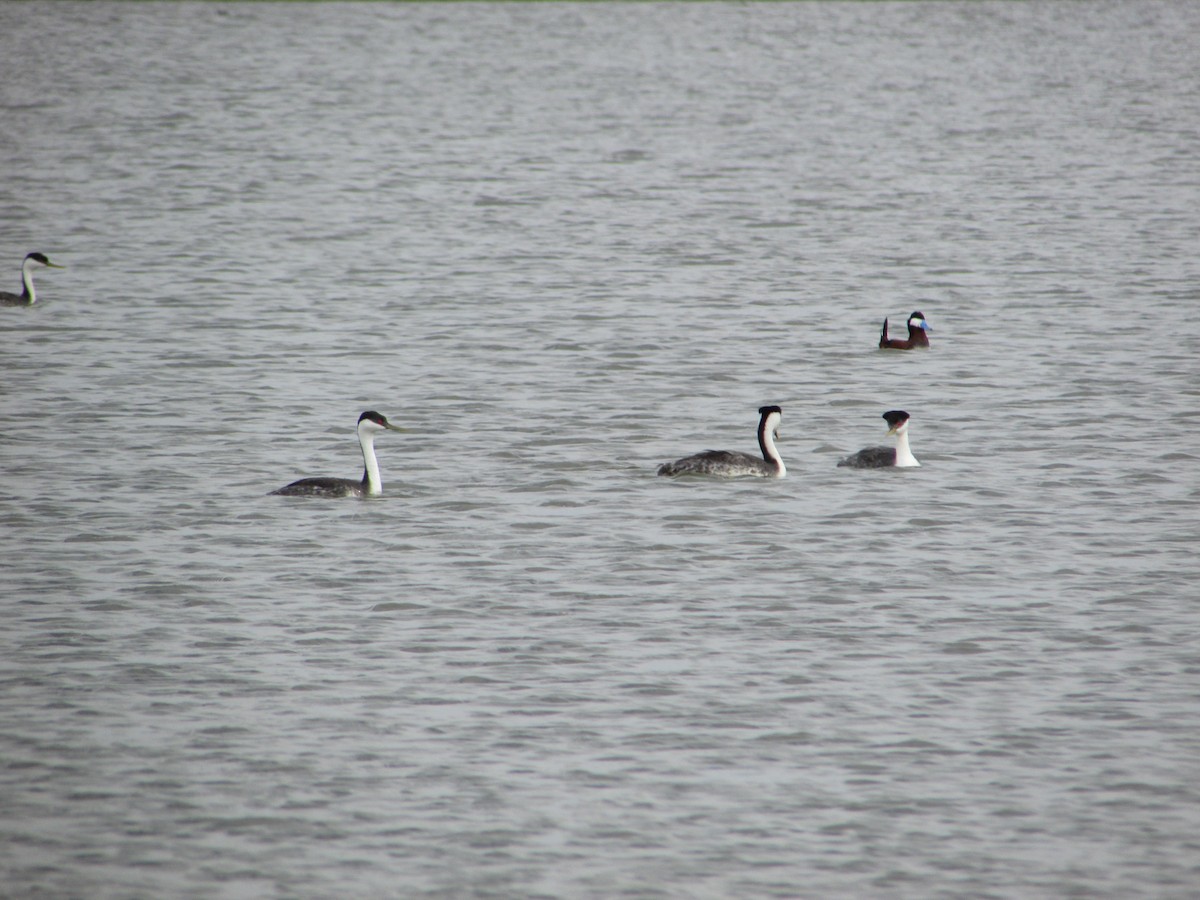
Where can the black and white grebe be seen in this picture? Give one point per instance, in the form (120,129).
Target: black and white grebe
(917,337)
(732,464)
(28,295)
(370,424)
(883,457)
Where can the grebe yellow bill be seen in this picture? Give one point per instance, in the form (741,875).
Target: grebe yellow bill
(884,457)
(731,463)
(28,295)
(917,336)
(370,424)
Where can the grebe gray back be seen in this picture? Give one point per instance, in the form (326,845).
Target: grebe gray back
(733,464)
(370,424)
(884,457)
(28,295)
(917,337)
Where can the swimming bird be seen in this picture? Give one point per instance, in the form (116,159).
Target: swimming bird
(28,295)
(370,424)
(917,326)
(732,464)
(883,457)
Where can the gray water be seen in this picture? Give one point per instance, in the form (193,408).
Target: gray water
(561,244)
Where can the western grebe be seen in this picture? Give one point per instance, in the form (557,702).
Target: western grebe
(28,295)
(917,337)
(370,424)
(732,464)
(883,457)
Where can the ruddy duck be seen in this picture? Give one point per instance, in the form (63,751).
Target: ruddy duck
(917,337)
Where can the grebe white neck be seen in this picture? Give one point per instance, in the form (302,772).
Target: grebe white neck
(768,434)
(904,456)
(27,279)
(366,439)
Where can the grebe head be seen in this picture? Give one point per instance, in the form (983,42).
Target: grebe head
(771,417)
(372,422)
(41,258)
(897,420)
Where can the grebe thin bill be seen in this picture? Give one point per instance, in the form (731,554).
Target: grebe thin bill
(899,456)
(732,463)
(370,424)
(28,295)
(917,334)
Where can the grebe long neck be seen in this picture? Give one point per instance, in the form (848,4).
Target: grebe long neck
(904,455)
(372,483)
(766,441)
(28,293)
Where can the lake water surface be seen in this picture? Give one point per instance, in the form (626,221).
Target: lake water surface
(561,244)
